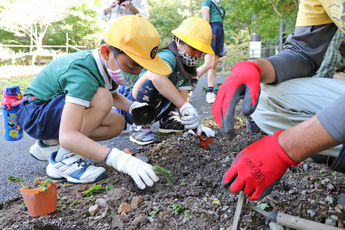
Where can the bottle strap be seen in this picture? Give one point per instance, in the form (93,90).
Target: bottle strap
(15,103)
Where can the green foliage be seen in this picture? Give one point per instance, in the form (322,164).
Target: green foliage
(167,21)
(264,206)
(187,214)
(176,208)
(240,120)
(166,173)
(83,25)
(16,179)
(155,212)
(74,203)
(260,17)
(90,191)
(46,183)
(109,187)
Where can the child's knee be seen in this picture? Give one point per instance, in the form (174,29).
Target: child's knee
(102,99)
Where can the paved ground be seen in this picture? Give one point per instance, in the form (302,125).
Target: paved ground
(15,159)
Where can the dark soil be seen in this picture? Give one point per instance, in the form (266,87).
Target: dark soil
(194,200)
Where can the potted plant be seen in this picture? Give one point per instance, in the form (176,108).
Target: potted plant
(40,198)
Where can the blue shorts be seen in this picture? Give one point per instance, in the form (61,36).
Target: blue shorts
(217,38)
(41,120)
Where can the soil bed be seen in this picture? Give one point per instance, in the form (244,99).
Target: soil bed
(195,200)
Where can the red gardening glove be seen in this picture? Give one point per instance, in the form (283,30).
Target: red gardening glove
(244,79)
(258,168)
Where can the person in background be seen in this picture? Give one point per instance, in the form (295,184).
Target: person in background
(110,10)
(303,115)
(213,13)
(169,93)
(73,99)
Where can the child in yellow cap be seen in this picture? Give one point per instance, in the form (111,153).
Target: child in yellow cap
(170,91)
(74,99)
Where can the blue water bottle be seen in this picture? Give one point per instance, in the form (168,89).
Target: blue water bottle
(12,130)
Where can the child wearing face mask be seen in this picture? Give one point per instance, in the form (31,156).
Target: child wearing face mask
(73,100)
(169,92)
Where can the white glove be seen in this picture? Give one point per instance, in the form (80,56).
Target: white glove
(202,129)
(135,105)
(190,118)
(137,169)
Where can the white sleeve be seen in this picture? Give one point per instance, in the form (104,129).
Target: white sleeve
(102,14)
(143,9)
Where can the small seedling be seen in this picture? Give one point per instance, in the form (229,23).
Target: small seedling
(63,198)
(187,214)
(20,181)
(109,187)
(45,184)
(16,179)
(74,202)
(322,171)
(155,212)
(166,173)
(240,120)
(22,205)
(183,182)
(91,190)
(176,208)
(264,206)
(216,201)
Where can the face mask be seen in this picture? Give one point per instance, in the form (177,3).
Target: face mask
(121,77)
(187,59)
(216,1)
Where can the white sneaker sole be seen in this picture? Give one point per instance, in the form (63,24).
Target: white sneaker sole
(169,131)
(140,142)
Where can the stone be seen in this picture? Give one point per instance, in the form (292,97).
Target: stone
(102,203)
(140,220)
(124,217)
(341,199)
(275,226)
(124,207)
(93,209)
(136,202)
(311,213)
(117,222)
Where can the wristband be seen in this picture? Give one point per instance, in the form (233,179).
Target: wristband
(106,157)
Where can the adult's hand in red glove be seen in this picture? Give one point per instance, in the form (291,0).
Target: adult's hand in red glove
(244,79)
(257,168)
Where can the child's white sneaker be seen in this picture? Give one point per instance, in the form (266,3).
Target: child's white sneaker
(42,152)
(74,169)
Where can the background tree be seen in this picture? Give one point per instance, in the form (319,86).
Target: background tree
(32,17)
(82,24)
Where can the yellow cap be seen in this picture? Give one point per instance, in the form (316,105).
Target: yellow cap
(197,33)
(139,39)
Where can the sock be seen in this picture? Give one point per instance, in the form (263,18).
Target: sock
(51,142)
(210,89)
(61,154)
